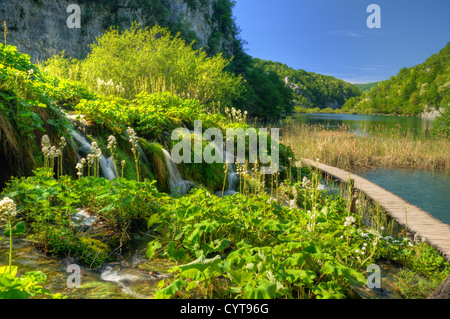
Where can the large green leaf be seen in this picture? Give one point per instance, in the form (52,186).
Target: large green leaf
(170,290)
(18,229)
(306,276)
(240,276)
(265,290)
(296,259)
(202,263)
(152,247)
(8,270)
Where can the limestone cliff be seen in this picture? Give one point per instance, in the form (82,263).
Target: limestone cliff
(38,27)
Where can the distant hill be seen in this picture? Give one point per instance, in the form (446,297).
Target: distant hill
(422,88)
(366,86)
(312,89)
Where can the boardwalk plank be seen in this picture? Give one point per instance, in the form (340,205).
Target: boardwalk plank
(418,221)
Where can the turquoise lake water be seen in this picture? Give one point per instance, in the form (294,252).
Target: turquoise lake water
(427,189)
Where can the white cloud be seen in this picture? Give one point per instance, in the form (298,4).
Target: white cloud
(345,33)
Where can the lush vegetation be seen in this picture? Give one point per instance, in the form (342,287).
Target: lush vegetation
(265,95)
(281,236)
(137,60)
(422,88)
(441,125)
(312,89)
(271,251)
(365,87)
(29,106)
(124,64)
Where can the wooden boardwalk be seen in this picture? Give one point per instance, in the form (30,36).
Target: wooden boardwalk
(431,230)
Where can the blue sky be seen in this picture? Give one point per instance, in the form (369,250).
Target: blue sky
(331,36)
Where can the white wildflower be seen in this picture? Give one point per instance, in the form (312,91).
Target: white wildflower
(7,205)
(305,182)
(63,142)
(349,221)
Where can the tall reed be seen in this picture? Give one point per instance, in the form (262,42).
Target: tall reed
(379,146)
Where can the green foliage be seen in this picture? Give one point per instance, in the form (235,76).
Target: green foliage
(311,89)
(441,125)
(26,286)
(366,86)
(252,247)
(48,205)
(149,114)
(424,87)
(412,286)
(266,96)
(152,60)
(232,247)
(30,103)
(265,252)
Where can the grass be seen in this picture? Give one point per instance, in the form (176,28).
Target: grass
(381,147)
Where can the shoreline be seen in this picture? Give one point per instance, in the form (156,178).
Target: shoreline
(428,116)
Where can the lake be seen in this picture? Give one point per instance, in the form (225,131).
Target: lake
(363,123)
(427,189)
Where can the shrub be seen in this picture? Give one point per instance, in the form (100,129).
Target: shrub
(151,60)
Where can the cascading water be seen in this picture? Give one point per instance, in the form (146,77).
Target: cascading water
(84,148)
(175,179)
(232,177)
(176,182)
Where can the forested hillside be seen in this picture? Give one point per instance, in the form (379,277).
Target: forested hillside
(422,88)
(312,89)
(366,86)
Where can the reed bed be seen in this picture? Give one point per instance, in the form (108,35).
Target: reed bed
(378,147)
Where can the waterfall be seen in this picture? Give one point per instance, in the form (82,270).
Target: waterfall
(175,179)
(232,177)
(84,148)
(176,182)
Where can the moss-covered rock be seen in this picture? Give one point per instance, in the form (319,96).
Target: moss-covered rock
(157,164)
(211,176)
(93,252)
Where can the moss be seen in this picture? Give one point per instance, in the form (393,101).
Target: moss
(93,252)
(157,164)
(61,241)
(157,265)
(123,154)
(211,176)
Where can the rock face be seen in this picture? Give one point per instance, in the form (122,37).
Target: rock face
(443,291)
(39,28)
